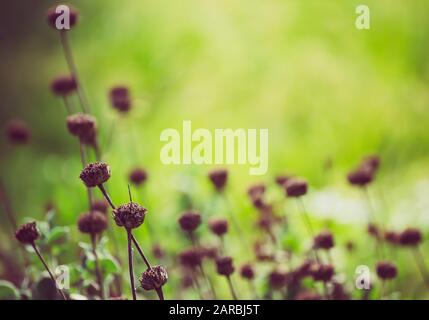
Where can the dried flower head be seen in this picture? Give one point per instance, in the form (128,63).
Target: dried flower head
(360,177)
(374,231)
(83,126)
(371,162)
(138,176)
(410,237)
(100,205)
(219,178)
(256,191)
(95,174)
(282,179)
(296,187)
(130,215)
(277,279)
(324,240)
(224,266)
(27,233)
(53,15)
(158,252)
(94,222)
(322,272)
(63,85)
(17,132)
(392,237)
(247,271)
(190,258)
(190,220)
(154,278)
(304,270)
(218,226)
(120,98)
(386,270)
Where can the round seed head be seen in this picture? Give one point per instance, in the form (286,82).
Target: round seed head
(304,270)
(219,178)
(392,237)
(83,126)
(324,240)
(322,272)
(256,191)
(130,215)
(277,279)
(27,233)
(190,220)
(17,132)
(224,266)
(360,177)
(371,162)
(53,15)
(158,252)
(138,176)
(218,226)
(296,187)
(120,99)
(282,179)
(154,278)
(63,85)
(374,231)
(247,271)
(386,270)
(94,222)
(410,237)
(95,174)
(190,258)
(100,205)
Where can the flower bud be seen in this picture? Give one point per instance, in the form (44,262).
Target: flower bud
(296,187)
(218,226)
(130,215)
(154,278)
(138,176)
(84,127)
(386,270)
(95,174)
(53,16)
(18,132)
(93,223)
(219,178)
(224,266)
(63,85)
(247,271)
(119,98)
(410,237)
(27,233)
(324,240)
(190,220)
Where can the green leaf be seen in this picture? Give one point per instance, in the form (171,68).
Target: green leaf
(8,291)
(107,265)
(57,235)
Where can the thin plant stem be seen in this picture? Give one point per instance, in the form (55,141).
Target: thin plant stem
(139,249)
(234,221)
(159,293)
(97,265)
(418,256)
(208,280)
(67,105)
(372,218)
(47,269)
(130,265)
(197,286)
(382,290)
(308,224)
(106,195)
(231,288)
(73,70)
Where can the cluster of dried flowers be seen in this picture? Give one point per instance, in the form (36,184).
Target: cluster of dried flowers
(271,258)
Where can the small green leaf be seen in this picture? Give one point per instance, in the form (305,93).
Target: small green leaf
(107,265)
(57,235)
(8,291)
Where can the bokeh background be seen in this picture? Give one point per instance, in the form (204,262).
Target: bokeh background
(328,93)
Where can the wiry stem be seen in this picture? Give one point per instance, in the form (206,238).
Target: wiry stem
(47,269)
(106,195)
(130,266)
(308,224)
(139,249)
(73,70)
(67,105)
(159,293)
(231,288)
(97,265)
(418,256)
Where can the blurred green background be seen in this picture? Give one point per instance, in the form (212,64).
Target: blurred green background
(328,93)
